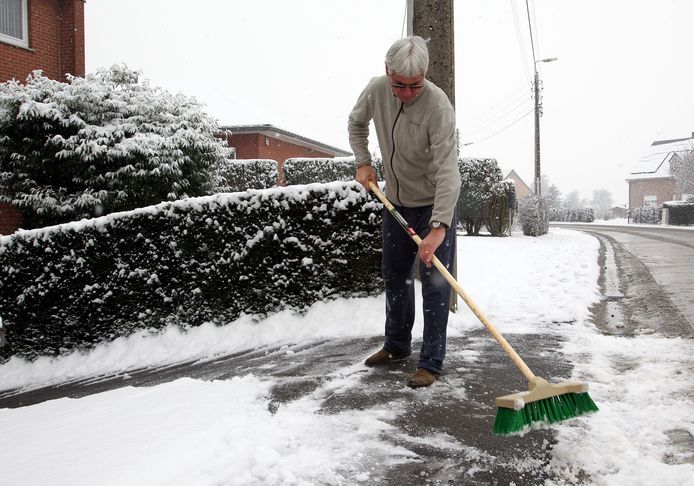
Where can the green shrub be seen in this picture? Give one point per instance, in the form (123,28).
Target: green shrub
(572,215)
(187,262)
(646,215)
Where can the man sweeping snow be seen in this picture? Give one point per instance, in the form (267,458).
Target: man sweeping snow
(415,127)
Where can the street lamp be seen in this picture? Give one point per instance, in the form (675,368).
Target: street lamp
(538,113)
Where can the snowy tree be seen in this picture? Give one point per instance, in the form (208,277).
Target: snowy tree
(682,167)
(103,143)
(602,203)
(552,196)
(572,201)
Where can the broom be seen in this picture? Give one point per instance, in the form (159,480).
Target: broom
(543,402)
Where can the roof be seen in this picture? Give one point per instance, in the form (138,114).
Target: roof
(272,131)
(655,162)
(512,174)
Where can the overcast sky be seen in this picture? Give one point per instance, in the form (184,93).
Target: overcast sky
(623,78)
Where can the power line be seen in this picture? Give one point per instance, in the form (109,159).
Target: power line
(499,131)
(530,25)
(521,43)
(499,117)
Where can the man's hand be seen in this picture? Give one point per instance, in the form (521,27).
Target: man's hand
(430,243)
(366,174)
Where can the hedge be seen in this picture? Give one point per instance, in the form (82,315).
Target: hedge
(646,214)
(680,213)
(573,215)
(187,262)
(307,171)
(243,174)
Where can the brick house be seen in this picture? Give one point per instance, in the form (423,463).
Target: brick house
(269,142)
(651,181)
(39,34)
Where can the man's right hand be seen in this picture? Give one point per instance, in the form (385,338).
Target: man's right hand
(366,174)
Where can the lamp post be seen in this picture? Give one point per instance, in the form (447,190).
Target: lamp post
(538,113)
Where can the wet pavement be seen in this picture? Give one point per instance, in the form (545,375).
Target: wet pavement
(449,424)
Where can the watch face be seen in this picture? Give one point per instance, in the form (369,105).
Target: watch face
(435,224)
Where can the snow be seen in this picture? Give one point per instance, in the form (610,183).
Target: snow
(195,432)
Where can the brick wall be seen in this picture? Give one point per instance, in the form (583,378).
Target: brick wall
(10,219)
(56,42)
(664,189)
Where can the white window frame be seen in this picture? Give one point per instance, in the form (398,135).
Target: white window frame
(24,41)
(650,201)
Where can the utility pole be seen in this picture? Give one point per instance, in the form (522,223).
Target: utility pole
(538,114)
(433,19)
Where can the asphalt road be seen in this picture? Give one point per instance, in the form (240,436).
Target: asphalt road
(643,293)
(666,252)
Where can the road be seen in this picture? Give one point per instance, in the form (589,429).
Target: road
(667,253)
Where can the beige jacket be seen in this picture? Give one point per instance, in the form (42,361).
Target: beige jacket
(417,142)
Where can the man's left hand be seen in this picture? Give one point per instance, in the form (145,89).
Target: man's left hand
(430,243)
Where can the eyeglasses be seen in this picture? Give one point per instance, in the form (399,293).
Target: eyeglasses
(410,86)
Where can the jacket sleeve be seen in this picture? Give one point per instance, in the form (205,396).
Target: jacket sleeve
(442,137)
(358,127)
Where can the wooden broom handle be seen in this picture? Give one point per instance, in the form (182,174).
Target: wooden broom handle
(517,360)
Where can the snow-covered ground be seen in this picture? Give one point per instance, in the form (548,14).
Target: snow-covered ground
(193,432)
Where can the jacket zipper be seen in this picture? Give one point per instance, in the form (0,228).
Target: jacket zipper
(392,154)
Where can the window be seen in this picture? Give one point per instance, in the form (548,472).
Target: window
(14,27)
(650,201)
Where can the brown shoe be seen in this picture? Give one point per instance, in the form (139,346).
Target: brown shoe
(422,378)
(384,357)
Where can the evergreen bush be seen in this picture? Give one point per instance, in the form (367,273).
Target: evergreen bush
(478,177)
(646,215)
(532,216)
(198,260)
(501,208)
(680,213)
(107,142)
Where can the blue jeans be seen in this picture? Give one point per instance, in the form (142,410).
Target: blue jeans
(399,253)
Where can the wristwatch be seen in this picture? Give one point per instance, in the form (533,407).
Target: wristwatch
(438,224)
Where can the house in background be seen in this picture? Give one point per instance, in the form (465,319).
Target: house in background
(269,142)
(651,182)
(522,189)
(39,34)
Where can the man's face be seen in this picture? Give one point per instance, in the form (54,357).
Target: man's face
(405,89)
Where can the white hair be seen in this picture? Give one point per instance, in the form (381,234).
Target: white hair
(408,57)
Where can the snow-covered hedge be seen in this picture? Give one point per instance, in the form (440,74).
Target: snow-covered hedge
(532,216)
(680,212)
(186,262)
(243,174)
(107,142)
(646,215)
(578,215)
(306,170)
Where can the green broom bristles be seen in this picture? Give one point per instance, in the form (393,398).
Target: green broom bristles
(549,410)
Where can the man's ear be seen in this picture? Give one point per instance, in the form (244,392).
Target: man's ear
(387,73)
